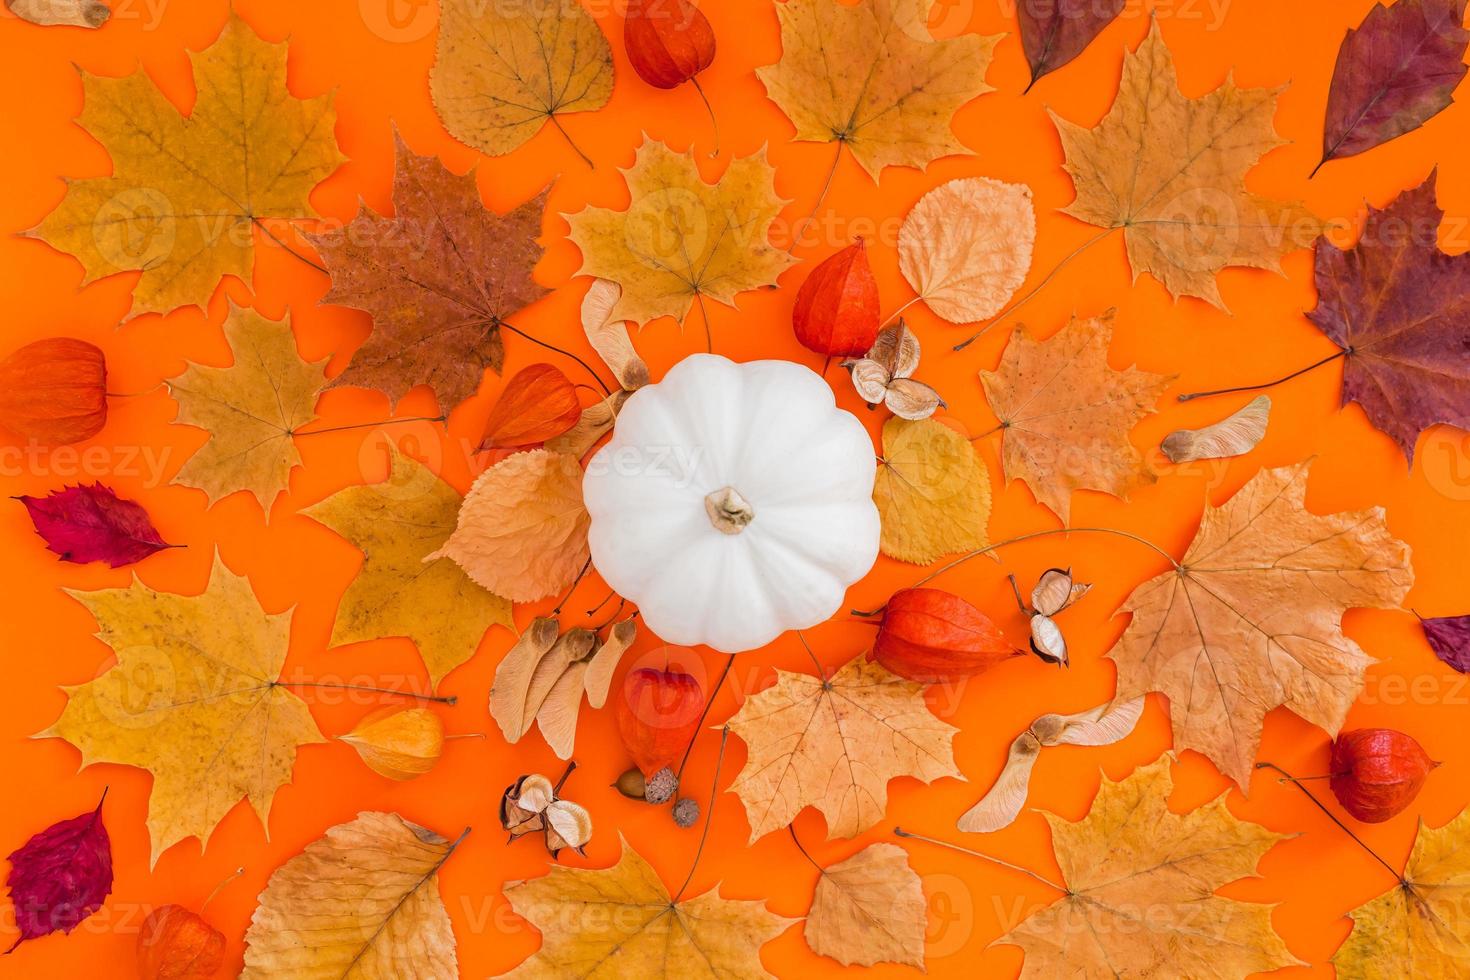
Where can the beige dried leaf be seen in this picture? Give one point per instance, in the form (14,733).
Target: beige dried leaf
(966,247)
(609,335)
(600,669)
(596,421)
(361,902)
(522,530)
(869,909)
(513,677)
(1233,436)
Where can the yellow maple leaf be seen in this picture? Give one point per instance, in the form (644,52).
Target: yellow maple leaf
(1418,928)
(932,493)
(682,238)
(503,70)
(1170,172)
(835,746)
(1251,618)
(522,529)
(250,409)
(1141,883)
(869,909)
(194,699)
(359,903)
(621,922)
(871,77)
(187,192)
(1065,414)
(395,524)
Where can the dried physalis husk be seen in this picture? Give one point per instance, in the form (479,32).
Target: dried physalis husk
(1233,436)
(883,376)
(1102,725)
(72,13)
(399,743)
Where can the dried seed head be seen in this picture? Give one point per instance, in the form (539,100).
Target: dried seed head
(1047,641)
(662,786)
(632,784)
(686,812)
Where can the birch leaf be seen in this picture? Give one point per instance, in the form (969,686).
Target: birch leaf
(869,909)
(933,495)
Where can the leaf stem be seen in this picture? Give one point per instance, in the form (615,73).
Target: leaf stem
(699,725)
(1013,307)
(800,226)
(709,816)
(797,840)
(219,888)
(993,860)
(1028,537)
(556,611)
(890,318)
(318,685)
(1341,352)
(714,123)
(1330,815)
(570,142)
(709,334)
(281,242)
(507,325)
(365,425)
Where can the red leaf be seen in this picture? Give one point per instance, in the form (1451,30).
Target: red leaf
(61,875)
(1399,309)
(657,716)
(1053,32)
(1449,638)
(54,391)
(669,41)
(176,944)
(1377,772)
(539,403)
(1397,70)
(836,310)
(91,523)
(930,636)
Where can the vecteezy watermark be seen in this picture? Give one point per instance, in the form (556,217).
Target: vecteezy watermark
(71,464)
(678,465)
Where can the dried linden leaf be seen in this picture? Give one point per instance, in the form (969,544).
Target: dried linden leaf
(932,493)
(193,699)
(250,409)
(1132,856)
(1170,172)
(1065,414)
(682,238)
(395,524)
(966,247)
(622,922)
(872,77)
(360,903)
(522,529)
(188,192)
(835,746)
(1252,618)
(502,70)
(869,909)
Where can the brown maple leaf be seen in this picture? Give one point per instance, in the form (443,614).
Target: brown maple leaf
(1065,414)
(1251,618)
(440,278)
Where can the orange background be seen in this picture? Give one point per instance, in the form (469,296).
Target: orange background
(379,72)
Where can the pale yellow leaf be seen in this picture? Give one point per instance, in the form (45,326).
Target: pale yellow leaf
(932,492)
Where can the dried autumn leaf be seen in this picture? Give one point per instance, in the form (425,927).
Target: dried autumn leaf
(891,93)
(187,192)
(439,278)
(637,929)
(60,876)
(362,901)
(1398,309)
(1236,435)
(502,70)
(1449,638)
(1251,618)
(1130,856)
(90,522)
(193,699)
(513,678)
(54,391)
(834,745)
(933,495)
(596,421)
(1002,803)
(609,335)
(869,909)
(1170,172)
(1418,927)
(682,238)
(1396,71)
(67,13)
(522,530)
(250,409)
(966,247)
(1065,414)
(605,660)
(399,591)
(537,404)
(1053,32)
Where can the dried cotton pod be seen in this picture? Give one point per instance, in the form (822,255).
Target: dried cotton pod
(568,824)
(1233,436)
(883,376)
(399,743)
(530,805)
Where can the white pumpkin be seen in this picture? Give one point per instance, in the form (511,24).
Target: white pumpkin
(733,502)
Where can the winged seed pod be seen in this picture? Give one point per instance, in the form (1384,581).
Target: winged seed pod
(399,743)
(883,376)
(1233,436)
(67,13)
(1102,725)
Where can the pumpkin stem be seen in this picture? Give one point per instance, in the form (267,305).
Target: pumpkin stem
(728,511)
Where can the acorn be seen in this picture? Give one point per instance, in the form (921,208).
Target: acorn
(632,784)
(686,812)
(662,786)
